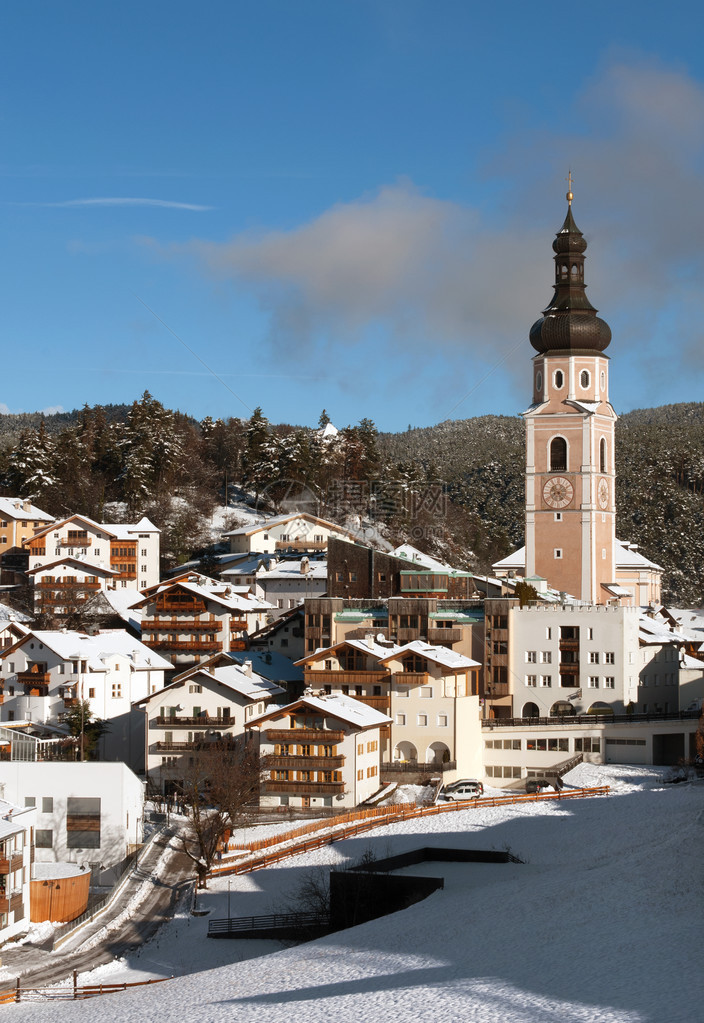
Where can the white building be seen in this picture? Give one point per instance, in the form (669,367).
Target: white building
(17,825)
(298,531)
(208,704)
(285,584)
(77,555)
(45,674)
(86,813)
(320,751)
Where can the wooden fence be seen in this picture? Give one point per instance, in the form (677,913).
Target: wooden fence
(366,820)
(73,993)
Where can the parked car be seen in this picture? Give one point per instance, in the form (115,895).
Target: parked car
(463,790)
(534,785)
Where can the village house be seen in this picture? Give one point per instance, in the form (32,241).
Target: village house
(73,558)
(17,824)
(320,751)
(189,618)
(430,694)
(203,707)
(297,531)
(46,674)
(285,635)
(19,520)
(86,813)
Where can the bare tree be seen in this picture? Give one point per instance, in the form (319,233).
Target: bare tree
(220,788)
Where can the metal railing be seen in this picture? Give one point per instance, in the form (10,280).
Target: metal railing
(589,719)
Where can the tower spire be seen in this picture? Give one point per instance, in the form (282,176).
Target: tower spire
(570,324)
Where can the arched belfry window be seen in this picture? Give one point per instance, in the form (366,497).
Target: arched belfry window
(558,454)
(585,379)
(575,270)
(559,378)
(602,455)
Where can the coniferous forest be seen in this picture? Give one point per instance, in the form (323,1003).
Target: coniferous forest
(454,490)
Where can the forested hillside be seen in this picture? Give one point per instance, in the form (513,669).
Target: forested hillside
(455,489)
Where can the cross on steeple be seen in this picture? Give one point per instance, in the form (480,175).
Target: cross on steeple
(569,195)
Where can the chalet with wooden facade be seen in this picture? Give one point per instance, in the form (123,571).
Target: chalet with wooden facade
(320,751)
(19,520)
(46,674)
(429,693)
(189,618)
(202,707)
(73,558)
(299,531)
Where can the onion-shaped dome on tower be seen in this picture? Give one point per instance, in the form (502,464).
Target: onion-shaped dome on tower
(570,324)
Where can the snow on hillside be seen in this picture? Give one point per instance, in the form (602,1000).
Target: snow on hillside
(600,924)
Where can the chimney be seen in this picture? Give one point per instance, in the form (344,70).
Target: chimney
(369,639)
(247,666)
(26,505)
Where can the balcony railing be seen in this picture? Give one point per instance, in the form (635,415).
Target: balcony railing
(494,690)
(407,635)
(180,625)
(39,679)
(412,678)
(191,607)
(417,766)
(378,702)
(569,644)
(305,788)
(317,735)
(75,541)
(305,763)
(202,721)
(356,678)
(195,744)
(11,904)
(370,629)
(444,635)
(11,863)
(567,668)
(180,644)
(301,545)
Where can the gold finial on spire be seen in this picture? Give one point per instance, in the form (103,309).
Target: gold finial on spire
(569,195)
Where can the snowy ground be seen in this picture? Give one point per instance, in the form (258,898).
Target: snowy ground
(600,924)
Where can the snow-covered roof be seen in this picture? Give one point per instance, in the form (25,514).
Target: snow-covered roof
(11,815)
(626,555)
(236,678)
(14,508)
(292,570)
(371,647)
(70,645)
(126,530)
(234,598)
(441,655)
(278,520)
(8,614)
(328,431)
(344,708)
(654,631)
(269,664)
(89,567)
(419,559)
(515,560)
(124,603)
(689,662)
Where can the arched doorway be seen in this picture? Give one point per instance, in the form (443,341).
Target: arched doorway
(405,751)
(530,710)
(600,708)
(437,753)
(562,709)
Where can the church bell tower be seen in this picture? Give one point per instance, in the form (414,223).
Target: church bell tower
(570,498)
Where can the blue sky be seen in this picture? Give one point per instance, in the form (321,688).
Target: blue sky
(346,205)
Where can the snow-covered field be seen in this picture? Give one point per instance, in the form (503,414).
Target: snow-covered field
(601,924)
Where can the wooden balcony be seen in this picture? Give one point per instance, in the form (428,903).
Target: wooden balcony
(567,668)
(495,690)
(305,763)
(200,745)
(11,904)
(63,586)
(180,625)
(364,632)
(412,678)
(301,545)
(238,625)
(75,541)
(181,644)
(35,679)
(380,703)
(569,644)
(202,721)
(407,635)
(10,863)
(317,735)
(444,635)
(70,702)
(192,606)
(338,678)
(305,788)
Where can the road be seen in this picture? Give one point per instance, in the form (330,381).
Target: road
(146,901)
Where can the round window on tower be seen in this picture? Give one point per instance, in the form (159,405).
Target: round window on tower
(538,381)
(584,379)
(559,379)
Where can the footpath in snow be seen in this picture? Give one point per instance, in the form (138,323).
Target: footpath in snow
(600,924)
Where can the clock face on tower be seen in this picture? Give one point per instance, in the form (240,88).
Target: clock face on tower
(603,493)
(558,492)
